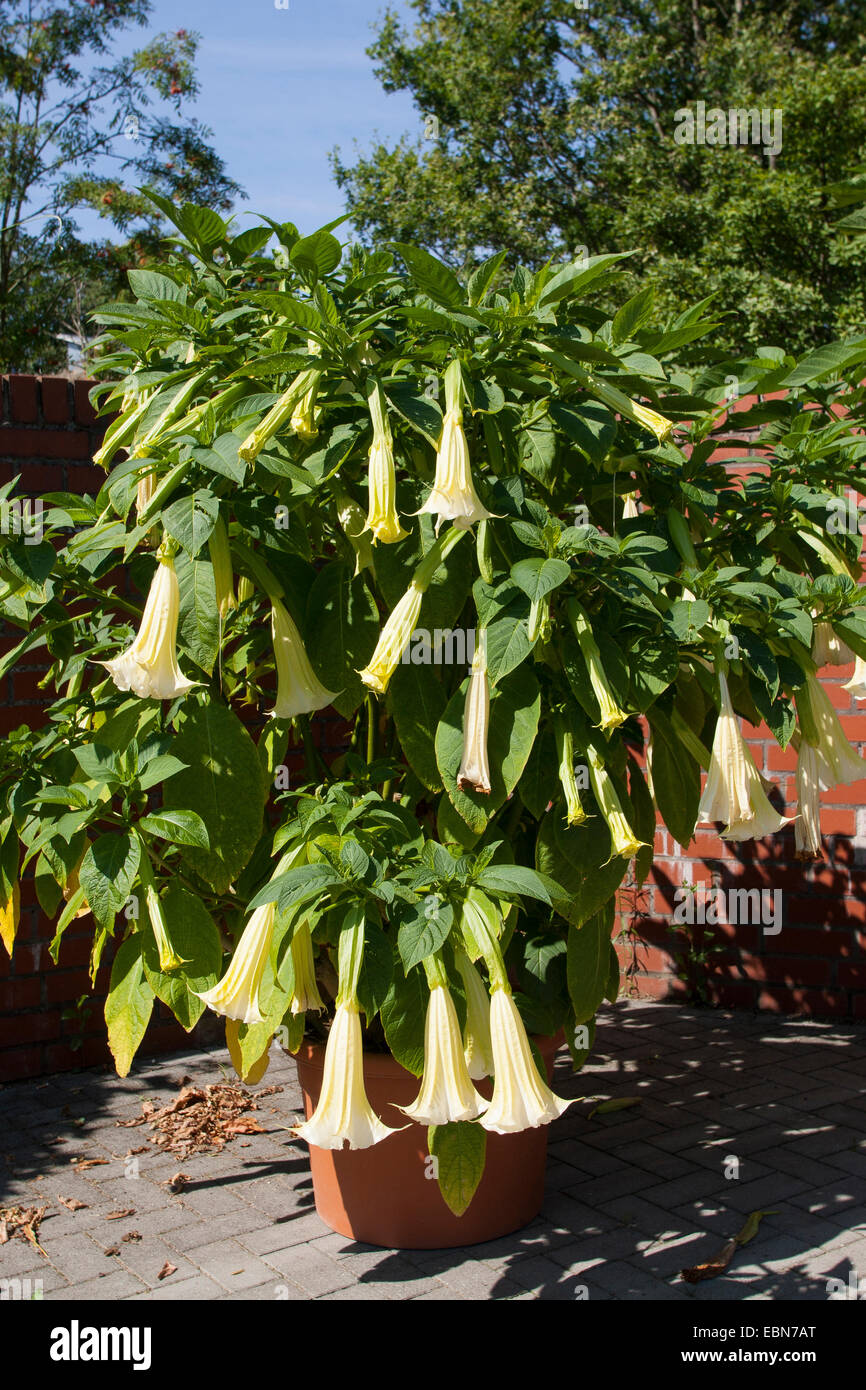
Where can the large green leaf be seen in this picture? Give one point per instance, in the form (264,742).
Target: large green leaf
(588,963)
(424,926)
(418,702)
(129,1004)
(579,858)
(403,1015)
(224,784)
(676,779)
(191,519)
(194,936)
(514,711)
(107,873)
(459,1150)
(342,629)
(199,624)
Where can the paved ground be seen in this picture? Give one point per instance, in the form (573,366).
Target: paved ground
(633,1195)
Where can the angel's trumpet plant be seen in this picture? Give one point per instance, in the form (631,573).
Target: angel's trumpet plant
(144,490)
(447,1095)
(354,525)
(474,771)
(237,994)
(611,713)
(221,561)
(343,1113)
(623,840)
(149,666)
(305,993)
(734,791)
(401,623)
(168,957)
(382,518)
(303,419)
(280,414)
(453,497)
(521,1098)
(299,691)
(837,761)
(477,1049)
(574,812)
(807,825)
(629,506)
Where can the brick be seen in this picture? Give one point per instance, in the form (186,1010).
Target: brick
(23,399)
(55,400)
(20,994)
(84,412)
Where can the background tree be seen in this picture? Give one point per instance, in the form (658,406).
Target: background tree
(79,127)
(547,127)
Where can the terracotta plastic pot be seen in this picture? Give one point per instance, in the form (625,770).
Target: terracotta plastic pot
(386,1195)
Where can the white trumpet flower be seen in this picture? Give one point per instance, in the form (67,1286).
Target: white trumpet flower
(807,826)
(237,994)
(477,1048)
(305,995)
(521,1100)
(149,666)
(827,648)
(447,1094)
(734,790)
(343,1113)
(837,760)
(299,691)
(453,496)
(856,686)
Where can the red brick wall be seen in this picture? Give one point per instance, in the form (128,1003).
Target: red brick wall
(815,965)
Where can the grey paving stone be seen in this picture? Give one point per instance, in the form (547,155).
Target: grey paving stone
(197,1289)
(229,1264)
(283,1235)
(118,1284)
(312,1271)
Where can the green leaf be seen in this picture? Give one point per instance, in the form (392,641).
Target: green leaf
(540,781)
(191,520)
(224,784)
(676,779)
(459,1150)
(129,1004)
(590,426)
(577,276)
(418,701)
(434,278)
(579,858)
(588,963)
(633,315)
(538,578)
(424,926)
(516,880)
(198,624)
(403,1014)
(342,624)
(377,969)
(195,938)
(107,873)
(508,641)
(178,827)
(611,989)
(319,254)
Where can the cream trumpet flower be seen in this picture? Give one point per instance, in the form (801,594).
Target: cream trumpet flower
(144,490)
(299,691)
(477,1048)
(354,525)
(453,497)
(807,825)
(657,424)
(382,517)
(856,686)
(305,995)
(623,840)
(474,771)
(237,994)
(734,791)
(574,812)
(611,713)
(447,1094)
(303,418)
(149,666)
(402,621)
(629,506)
(343,1113)
(837,761)
(521,1100)
(168,957)
(827,648)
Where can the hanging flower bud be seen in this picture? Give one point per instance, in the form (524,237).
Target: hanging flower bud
(734,790)
(447,1095)
(354,526)
(221,561)
(281,413)
(303,420)
(611,713)
(305,994)
(477,1048)
(168,957)
(453,497)
(574,812)
(149,666)
(145,489)
(382,517)
(401,623)
(299,691)
(807,825)
(246,589)
(521,1099)
(474,772)
(623,840)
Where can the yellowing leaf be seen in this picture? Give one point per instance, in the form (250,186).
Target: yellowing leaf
(10,914)
(621,1103)
(255,1073)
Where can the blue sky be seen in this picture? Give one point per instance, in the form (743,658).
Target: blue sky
(281,87)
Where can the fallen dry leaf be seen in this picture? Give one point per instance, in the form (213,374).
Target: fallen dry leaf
(166,1270)
(244,1127)
(697,1273)
(177,1183)
(113,1250)
(81,1163)
(204,1118)
(72,1203)
(23,1222)
(131,1235)
(120,1215)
